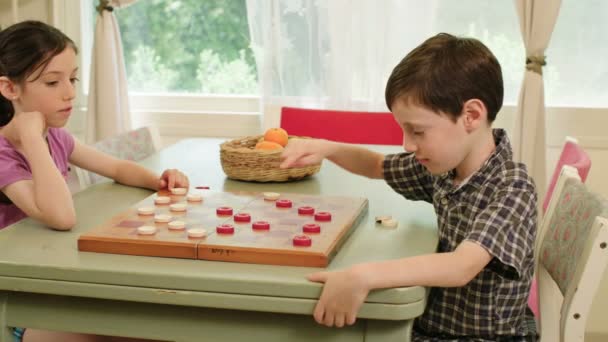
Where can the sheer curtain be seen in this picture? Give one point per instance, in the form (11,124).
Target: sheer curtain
(334,54)
(15,11)
(537,19)
(338,54)
(108,102)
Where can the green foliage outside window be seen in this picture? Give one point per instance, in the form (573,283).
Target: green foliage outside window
(190,46)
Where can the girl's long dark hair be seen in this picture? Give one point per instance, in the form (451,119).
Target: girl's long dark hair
(24,48)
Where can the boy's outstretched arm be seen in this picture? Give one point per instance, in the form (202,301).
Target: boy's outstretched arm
(125,171)
(345,291)
(358,160)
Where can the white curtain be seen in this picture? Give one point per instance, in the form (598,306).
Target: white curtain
(108,102)
(537,19)
(15,11)
(334,54)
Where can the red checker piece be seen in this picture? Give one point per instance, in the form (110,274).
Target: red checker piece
(284,203)
(311,228)
(323,216)
(225,229)
(242,217)
(224,211)
(306,210)
(260,225)
(302,241)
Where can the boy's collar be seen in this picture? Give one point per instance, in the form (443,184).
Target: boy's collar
(501,154)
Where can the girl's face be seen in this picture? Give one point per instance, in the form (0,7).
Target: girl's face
(51,90)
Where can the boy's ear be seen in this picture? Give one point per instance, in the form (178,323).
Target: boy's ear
(8,89)
(474,114)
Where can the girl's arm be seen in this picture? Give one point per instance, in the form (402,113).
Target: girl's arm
(46,197)
(122,171)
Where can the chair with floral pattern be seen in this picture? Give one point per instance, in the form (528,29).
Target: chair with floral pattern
(133,145)
(574,155)
(571,258)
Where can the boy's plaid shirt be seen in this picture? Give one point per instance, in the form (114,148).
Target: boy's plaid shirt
(497,209)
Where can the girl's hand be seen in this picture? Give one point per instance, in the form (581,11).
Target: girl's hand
(28,124)
(173,178)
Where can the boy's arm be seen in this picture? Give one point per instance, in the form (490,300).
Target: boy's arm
(124,171)
(46,197)
(358,160)
(503,231)
(451,269)
(345,291)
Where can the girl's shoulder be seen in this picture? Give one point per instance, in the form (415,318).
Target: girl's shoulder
(60,138)
(6,148)
(14,164)
(60,133)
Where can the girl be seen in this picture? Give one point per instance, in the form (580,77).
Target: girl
(37,86)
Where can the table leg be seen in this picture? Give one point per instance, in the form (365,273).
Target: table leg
(6,332)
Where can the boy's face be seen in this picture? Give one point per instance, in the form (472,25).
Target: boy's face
(51,91)
(438,143)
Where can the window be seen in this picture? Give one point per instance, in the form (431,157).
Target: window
(202,47)
(495,23)
(576,74)
(164,87)
(188,46)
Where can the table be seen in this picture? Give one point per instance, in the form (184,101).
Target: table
(46,283)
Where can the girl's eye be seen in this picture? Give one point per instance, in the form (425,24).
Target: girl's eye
(51,83)
(74,80)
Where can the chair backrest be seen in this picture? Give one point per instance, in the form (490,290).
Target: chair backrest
(573,155)
(572,257)
(344,126)
(133,145)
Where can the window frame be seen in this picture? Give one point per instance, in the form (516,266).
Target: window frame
(173,113)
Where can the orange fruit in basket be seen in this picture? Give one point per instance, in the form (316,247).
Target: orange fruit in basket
(268,146)
(277,135)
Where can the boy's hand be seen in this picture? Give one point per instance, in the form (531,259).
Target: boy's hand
(303,152)
(173,178)
(343,294)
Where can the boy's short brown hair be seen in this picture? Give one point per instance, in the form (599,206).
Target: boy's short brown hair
(446,71)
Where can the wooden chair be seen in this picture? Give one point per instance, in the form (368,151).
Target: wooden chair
(571,258)
(572,154)
(344,126)
(133,145)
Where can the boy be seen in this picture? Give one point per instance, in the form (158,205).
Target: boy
(445,94)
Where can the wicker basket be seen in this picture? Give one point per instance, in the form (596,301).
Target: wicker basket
(241,161)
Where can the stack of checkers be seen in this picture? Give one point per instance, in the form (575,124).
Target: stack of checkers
(172,223)
(387,221)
